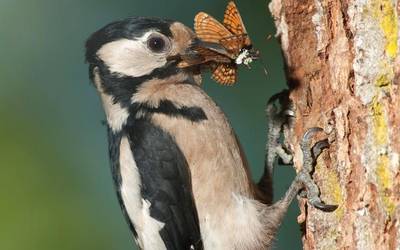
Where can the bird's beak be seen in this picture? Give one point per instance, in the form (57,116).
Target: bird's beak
(200,52)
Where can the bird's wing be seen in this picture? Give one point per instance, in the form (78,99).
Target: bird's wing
(114,141)
(166,185)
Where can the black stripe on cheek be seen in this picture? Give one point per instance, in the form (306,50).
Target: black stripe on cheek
(194,113)
(121,88)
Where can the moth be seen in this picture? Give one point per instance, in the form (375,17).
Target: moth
(232,36)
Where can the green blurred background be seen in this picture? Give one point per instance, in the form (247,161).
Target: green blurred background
(56,190)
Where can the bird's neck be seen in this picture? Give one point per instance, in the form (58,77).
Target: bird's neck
(127,98)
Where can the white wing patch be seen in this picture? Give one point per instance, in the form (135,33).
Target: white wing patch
(150,234)
(130,186)
(138,209)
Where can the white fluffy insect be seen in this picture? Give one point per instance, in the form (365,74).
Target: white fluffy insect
(246,57)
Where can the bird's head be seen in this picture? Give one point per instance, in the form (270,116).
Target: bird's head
(137,47)
(126,55)
(140,49)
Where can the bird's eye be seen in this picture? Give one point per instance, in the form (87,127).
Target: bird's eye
(157,44)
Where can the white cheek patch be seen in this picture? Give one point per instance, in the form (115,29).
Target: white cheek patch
(131,57)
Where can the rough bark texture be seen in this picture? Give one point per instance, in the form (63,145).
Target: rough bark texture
(343,70)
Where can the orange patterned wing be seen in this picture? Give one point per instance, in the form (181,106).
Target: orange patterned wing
(225,74)
(234,23)
(234,43)
(209,29)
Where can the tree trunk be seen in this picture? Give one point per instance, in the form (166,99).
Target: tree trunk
(343,71)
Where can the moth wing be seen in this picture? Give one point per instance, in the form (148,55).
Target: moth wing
(209,29)
(234,23)
(234,43)
(203,56)
(224,74)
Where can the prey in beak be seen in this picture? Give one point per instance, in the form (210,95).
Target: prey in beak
(223,63)
(220,46)
(203,54)
(246,56)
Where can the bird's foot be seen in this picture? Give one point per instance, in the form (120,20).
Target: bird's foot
(280,112)
(310,154)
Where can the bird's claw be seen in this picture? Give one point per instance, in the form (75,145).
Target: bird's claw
(279,110)
(319,147)
(324,207)
(310,154)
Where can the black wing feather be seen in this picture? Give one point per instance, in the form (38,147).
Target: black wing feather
(166,184)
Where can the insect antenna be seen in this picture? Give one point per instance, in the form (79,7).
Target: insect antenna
(261,59)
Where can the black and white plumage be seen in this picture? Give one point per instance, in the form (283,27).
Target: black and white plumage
(164,178)
(181,177)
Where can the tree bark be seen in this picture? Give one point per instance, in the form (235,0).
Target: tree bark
(343,71)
